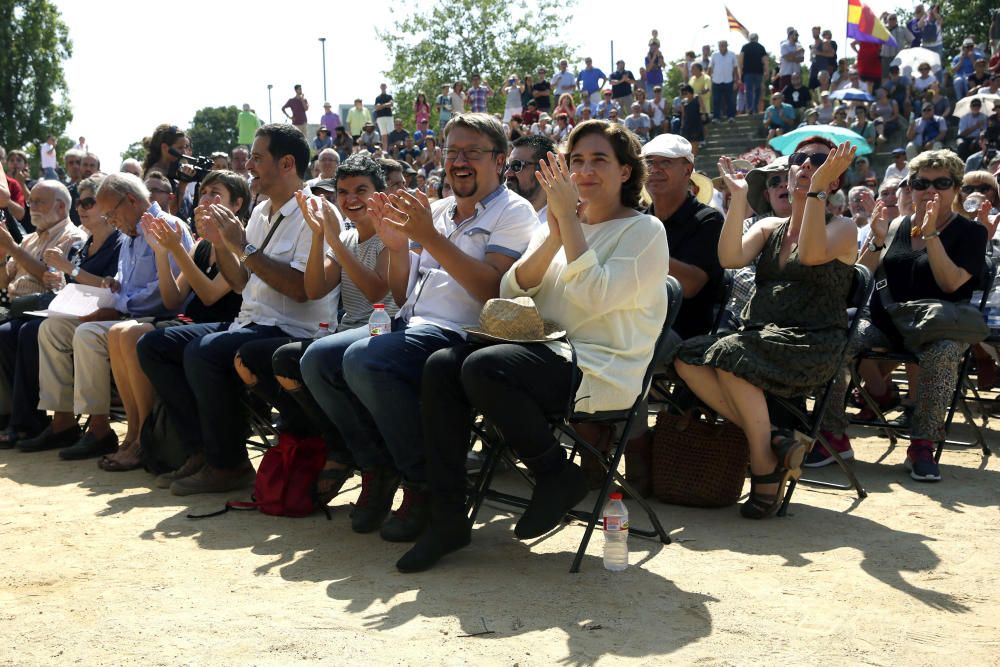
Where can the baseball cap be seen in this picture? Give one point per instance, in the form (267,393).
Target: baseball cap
(899,151)
(968,42)
(325,185)
(669,145)
(326,105)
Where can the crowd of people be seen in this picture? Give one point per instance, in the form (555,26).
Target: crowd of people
(257,279)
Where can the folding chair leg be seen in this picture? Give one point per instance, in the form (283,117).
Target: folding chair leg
(493,455)
(852,479)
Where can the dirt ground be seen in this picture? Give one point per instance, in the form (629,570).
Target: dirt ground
(103,569)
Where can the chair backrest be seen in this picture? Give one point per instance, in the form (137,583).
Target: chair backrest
(722,296)
(675,295)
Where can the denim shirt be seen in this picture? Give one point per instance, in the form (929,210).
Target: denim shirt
(139,295)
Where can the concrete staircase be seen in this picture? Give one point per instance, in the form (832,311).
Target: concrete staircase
(732,139)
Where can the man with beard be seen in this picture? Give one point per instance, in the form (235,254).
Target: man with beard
(458,249)
(521,167)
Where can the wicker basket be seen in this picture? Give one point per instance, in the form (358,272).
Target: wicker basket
(698,463)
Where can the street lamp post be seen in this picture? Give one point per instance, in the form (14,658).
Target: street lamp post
(270,118)
(322,41)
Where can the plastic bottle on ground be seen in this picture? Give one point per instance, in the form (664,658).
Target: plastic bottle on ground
(615,534)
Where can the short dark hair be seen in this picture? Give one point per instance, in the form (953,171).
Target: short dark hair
(485,125)
(236,186)
(628,151)
(286,140)
(363,164)
(541,145)
(687,89)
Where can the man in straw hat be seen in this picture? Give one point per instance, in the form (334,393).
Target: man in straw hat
(370,386)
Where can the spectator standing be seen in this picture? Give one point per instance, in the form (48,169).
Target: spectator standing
(478,94)
(691,126)
(541,92)
(563,81)
(823,51)
(753,62)
(725,72)
(49,159)
(512,93)
(702,85)
(330,120)
(902,36)
(655,62)
(357,117)
(621,85)
(443,105)
(792,55)
(421,109)
(590,81)
(458,98)
(298,105)
(383,114)
(246,124)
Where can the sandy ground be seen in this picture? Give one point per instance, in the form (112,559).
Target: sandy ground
(103,569)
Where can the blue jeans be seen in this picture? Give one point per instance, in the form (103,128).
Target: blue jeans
(191,368)
(723,93)
(752,84)
(385,372)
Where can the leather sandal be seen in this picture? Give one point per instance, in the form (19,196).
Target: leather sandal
(763,505)
(789,449)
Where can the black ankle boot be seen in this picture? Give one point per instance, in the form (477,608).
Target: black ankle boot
(408,522)
(378,486)
(449,530)
(555,494)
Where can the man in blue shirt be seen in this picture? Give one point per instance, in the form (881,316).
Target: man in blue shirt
(779,117)
(590,80)
(74,371)
(963,65)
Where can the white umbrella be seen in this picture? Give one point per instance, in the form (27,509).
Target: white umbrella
(909,59)
(851,95)
(987,99)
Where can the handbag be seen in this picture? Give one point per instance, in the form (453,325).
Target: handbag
(923,321)
(698,462)
(20,305)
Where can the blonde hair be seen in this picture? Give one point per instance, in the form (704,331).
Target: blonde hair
(978,177)
(940,159)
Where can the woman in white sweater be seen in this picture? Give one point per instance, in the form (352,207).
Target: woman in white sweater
(597,270)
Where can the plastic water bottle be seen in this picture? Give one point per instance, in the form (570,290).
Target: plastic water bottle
(324,330)
(379,323)
(615,534)
(973,202)
(62,278)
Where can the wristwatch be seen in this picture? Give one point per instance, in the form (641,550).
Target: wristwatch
(248,250)
(75,272)
(875,248)
(936,232)
(817,195)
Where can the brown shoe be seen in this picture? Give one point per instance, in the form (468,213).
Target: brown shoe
(190,467)
(215,480)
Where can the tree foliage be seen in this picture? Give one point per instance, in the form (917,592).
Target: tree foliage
(213,129)
(495,38)
(961,19)
(134,150)
(34,99)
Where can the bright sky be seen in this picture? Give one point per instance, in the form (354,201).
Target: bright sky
(137,64)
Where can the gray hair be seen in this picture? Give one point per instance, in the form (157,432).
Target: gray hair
(131,166)
(125,184)
(74,152)
(59,192)
(91,184)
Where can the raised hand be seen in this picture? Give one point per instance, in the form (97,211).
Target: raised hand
(735,180)
(165,235)
(929,224)
(836,164)
(384,218)
(54,257)
(145,223)
(331,222)
(560,186)
(880,223)
(230,228)
(309,215)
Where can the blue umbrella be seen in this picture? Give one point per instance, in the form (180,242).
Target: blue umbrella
(786,143)
(851,95)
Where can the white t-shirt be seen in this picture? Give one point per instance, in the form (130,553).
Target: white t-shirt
(789,67)
(722,65)
(48,154)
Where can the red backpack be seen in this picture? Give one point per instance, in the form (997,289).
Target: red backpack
(286,479)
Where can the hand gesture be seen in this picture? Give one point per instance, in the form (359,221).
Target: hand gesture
(52,281)
(411,214)
(310,216)
(145,223)
(560,186)
(929,224)
(203,221)
(164,235)
(880,223)
(54,257)
(7,241)
(835,165)
(736,181)
(384,217)
(230,228)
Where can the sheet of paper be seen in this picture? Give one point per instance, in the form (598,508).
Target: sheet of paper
(75,300)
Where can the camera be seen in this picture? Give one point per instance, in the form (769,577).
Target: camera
(198,167)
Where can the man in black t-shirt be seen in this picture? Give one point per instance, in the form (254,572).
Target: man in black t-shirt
(797,95)
(621,85)
(753,62)
(383,115)
(542,92)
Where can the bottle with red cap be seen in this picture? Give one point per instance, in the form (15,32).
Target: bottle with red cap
(615,533)
(379,323)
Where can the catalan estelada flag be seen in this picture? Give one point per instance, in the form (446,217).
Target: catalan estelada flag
(736,26)
(864,26)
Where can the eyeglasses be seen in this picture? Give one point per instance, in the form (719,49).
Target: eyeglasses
(471,154)
(517,165)
(86,203)
(888,192)
(107,217)
(799,159)
(777,181)
(161,191)
(942,183)
(984,188)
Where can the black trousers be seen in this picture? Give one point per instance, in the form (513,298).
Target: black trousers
(267,360)
(516,387)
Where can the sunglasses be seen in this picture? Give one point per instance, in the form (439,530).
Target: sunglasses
(776,181)
(942,183)
(86,203)
(983,188)
(517,165)
(799,159)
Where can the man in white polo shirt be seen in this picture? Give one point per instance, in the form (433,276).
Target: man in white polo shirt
(725,72)
(445,262)
(191,366)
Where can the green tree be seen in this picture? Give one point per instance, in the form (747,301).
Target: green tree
(134,150)
(961,19)
(213,129)
(495,38)
(34,100)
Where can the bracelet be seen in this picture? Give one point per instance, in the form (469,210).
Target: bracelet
(931,235)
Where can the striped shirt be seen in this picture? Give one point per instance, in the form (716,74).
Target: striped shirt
(357,307)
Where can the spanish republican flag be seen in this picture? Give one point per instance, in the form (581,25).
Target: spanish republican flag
(864,26)
(736,26)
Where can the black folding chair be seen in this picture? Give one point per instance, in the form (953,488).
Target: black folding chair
(562,426)
(960,396)
(808,422)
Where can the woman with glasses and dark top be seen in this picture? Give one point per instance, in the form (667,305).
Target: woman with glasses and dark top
(795,324)
(597,270)
(94,265)
(936,253)
(213,300)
